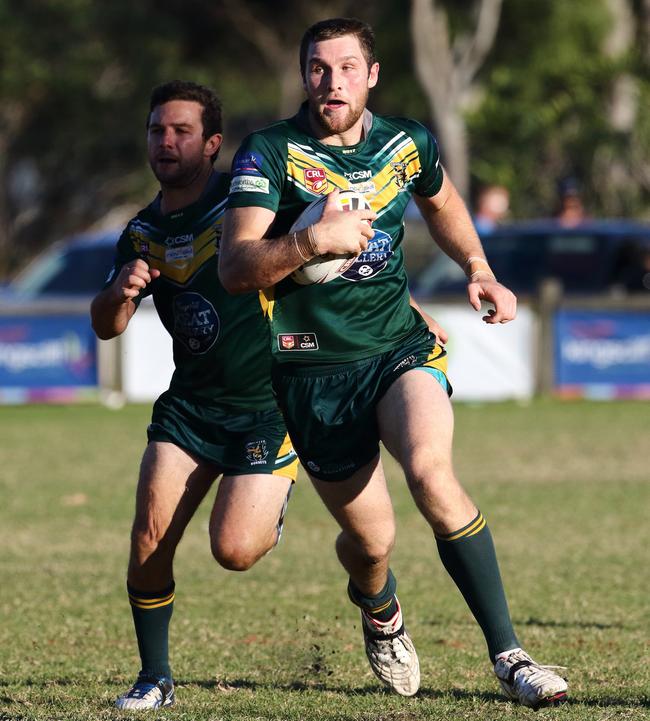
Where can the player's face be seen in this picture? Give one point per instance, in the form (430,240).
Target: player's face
(337,81)
(178,153)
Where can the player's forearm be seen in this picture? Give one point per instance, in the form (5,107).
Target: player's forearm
(109,318)
(452,229)
(246,265)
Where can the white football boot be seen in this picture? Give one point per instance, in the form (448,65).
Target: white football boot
(147,693)
(391,653)
(526,681)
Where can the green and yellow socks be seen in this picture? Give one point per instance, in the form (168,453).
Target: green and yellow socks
(152,613)
(470,559)
(383,606)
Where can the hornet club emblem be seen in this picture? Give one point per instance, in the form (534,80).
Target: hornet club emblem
(256,452)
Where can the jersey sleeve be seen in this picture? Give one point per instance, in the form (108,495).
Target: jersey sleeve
(258,173)
(429,181)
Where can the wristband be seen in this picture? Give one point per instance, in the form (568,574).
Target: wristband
(472,270)
(313,243)
(303,247)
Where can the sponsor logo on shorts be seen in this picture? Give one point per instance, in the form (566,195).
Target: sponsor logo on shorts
(408,361)
(331,468)
(256,452)
(316,179)
(196,323)
(249,184)
(297,341)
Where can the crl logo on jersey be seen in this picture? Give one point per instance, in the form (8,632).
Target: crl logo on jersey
(373,260)
(315,179)
(196,323)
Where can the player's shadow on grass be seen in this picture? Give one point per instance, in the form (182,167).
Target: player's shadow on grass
(236,684)
(532,621)
(424,692)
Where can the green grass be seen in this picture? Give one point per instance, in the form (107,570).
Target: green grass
(565,488)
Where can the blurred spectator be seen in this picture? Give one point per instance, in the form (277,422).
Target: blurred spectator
(491,207)
(570,210)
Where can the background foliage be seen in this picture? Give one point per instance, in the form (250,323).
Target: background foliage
(75,76)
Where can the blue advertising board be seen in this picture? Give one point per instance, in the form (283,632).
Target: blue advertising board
(602,354)
(46,358)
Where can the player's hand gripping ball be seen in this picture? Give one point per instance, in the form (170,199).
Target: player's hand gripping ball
(324,268)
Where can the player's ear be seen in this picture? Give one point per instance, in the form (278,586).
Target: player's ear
(373,75)
(212,144)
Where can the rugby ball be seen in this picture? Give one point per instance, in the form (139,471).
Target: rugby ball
(324,268)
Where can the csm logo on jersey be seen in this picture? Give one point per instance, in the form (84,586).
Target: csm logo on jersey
(196,323)
(297,341)
(358,175)
(179,249)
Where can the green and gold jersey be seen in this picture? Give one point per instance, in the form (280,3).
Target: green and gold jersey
(366,310)
(220,341)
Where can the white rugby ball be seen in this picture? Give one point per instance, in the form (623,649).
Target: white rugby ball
(324,268)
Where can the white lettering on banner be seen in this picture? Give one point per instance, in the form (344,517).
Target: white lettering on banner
(16,357)
(606,353)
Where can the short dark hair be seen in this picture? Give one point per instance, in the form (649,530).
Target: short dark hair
(336,28)
(187,90)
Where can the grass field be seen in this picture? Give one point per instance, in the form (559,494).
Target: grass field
(565,488)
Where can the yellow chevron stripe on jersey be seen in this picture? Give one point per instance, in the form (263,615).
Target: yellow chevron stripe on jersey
(267,301)
(149,603)
(298,162)
(400,170)
(181,271)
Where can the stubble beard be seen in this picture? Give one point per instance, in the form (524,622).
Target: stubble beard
(340,125)
(177,177)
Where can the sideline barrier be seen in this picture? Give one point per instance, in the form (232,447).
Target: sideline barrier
(596,348)
(47,357)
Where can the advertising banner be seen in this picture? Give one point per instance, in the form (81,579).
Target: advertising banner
(147,357)
(488,362)
(602,354)
(46,358)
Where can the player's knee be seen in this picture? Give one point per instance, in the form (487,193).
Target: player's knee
(375,549)
(147,541)
(237,554)
(429,474)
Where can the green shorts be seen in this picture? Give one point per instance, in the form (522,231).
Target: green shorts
(330,410)
(237,443)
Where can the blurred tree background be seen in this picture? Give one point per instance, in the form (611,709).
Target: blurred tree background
(519,92)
